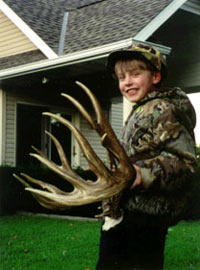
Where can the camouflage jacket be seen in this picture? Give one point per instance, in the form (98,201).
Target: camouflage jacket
(158,137)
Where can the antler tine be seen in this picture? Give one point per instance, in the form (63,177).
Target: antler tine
(94,162)
(64,161)
(90,119)
(44,185)
(65,173)
(87,116)
(37,150)
(21,180)
(46,201)
(74,179)
(102,127)
(58,200)
(94,101)
(81,109)
(108,137)
(42,200)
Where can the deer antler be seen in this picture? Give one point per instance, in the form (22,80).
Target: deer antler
(109,181)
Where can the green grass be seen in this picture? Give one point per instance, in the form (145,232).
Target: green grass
(35,243)
(182,251)
(38,243)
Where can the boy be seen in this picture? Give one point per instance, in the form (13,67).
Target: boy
(158,137)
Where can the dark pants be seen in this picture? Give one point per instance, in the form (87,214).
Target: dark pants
(132,247)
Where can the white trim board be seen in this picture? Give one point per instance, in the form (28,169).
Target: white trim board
(164,15)
(35,39)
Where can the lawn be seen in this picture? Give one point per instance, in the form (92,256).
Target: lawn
(38,243)
(182,251)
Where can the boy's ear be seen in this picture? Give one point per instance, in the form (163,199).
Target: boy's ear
(157,77)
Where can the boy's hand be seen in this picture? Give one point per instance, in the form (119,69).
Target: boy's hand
(138,179)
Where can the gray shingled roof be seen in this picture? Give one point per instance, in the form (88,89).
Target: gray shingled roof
(21,59)
(91,23)
(109,21)
(45,16)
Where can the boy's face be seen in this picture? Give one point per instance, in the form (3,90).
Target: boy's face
(135,81)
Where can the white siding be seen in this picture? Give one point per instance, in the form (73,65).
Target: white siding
(94,141)
(116,120)
(11,126)
(116,114)
(12,40)
(10,138)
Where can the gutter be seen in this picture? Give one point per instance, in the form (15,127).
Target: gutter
(74,58)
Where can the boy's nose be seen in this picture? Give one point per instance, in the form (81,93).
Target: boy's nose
(128,79)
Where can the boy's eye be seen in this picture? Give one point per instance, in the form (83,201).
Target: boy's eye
(136,73)
(120,77)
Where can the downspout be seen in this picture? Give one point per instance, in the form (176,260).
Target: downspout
(63,34)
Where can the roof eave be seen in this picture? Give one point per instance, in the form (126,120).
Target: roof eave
(73,58)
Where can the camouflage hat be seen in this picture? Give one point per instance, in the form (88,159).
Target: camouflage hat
(141,52)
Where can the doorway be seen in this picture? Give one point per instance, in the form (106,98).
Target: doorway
(28,132)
